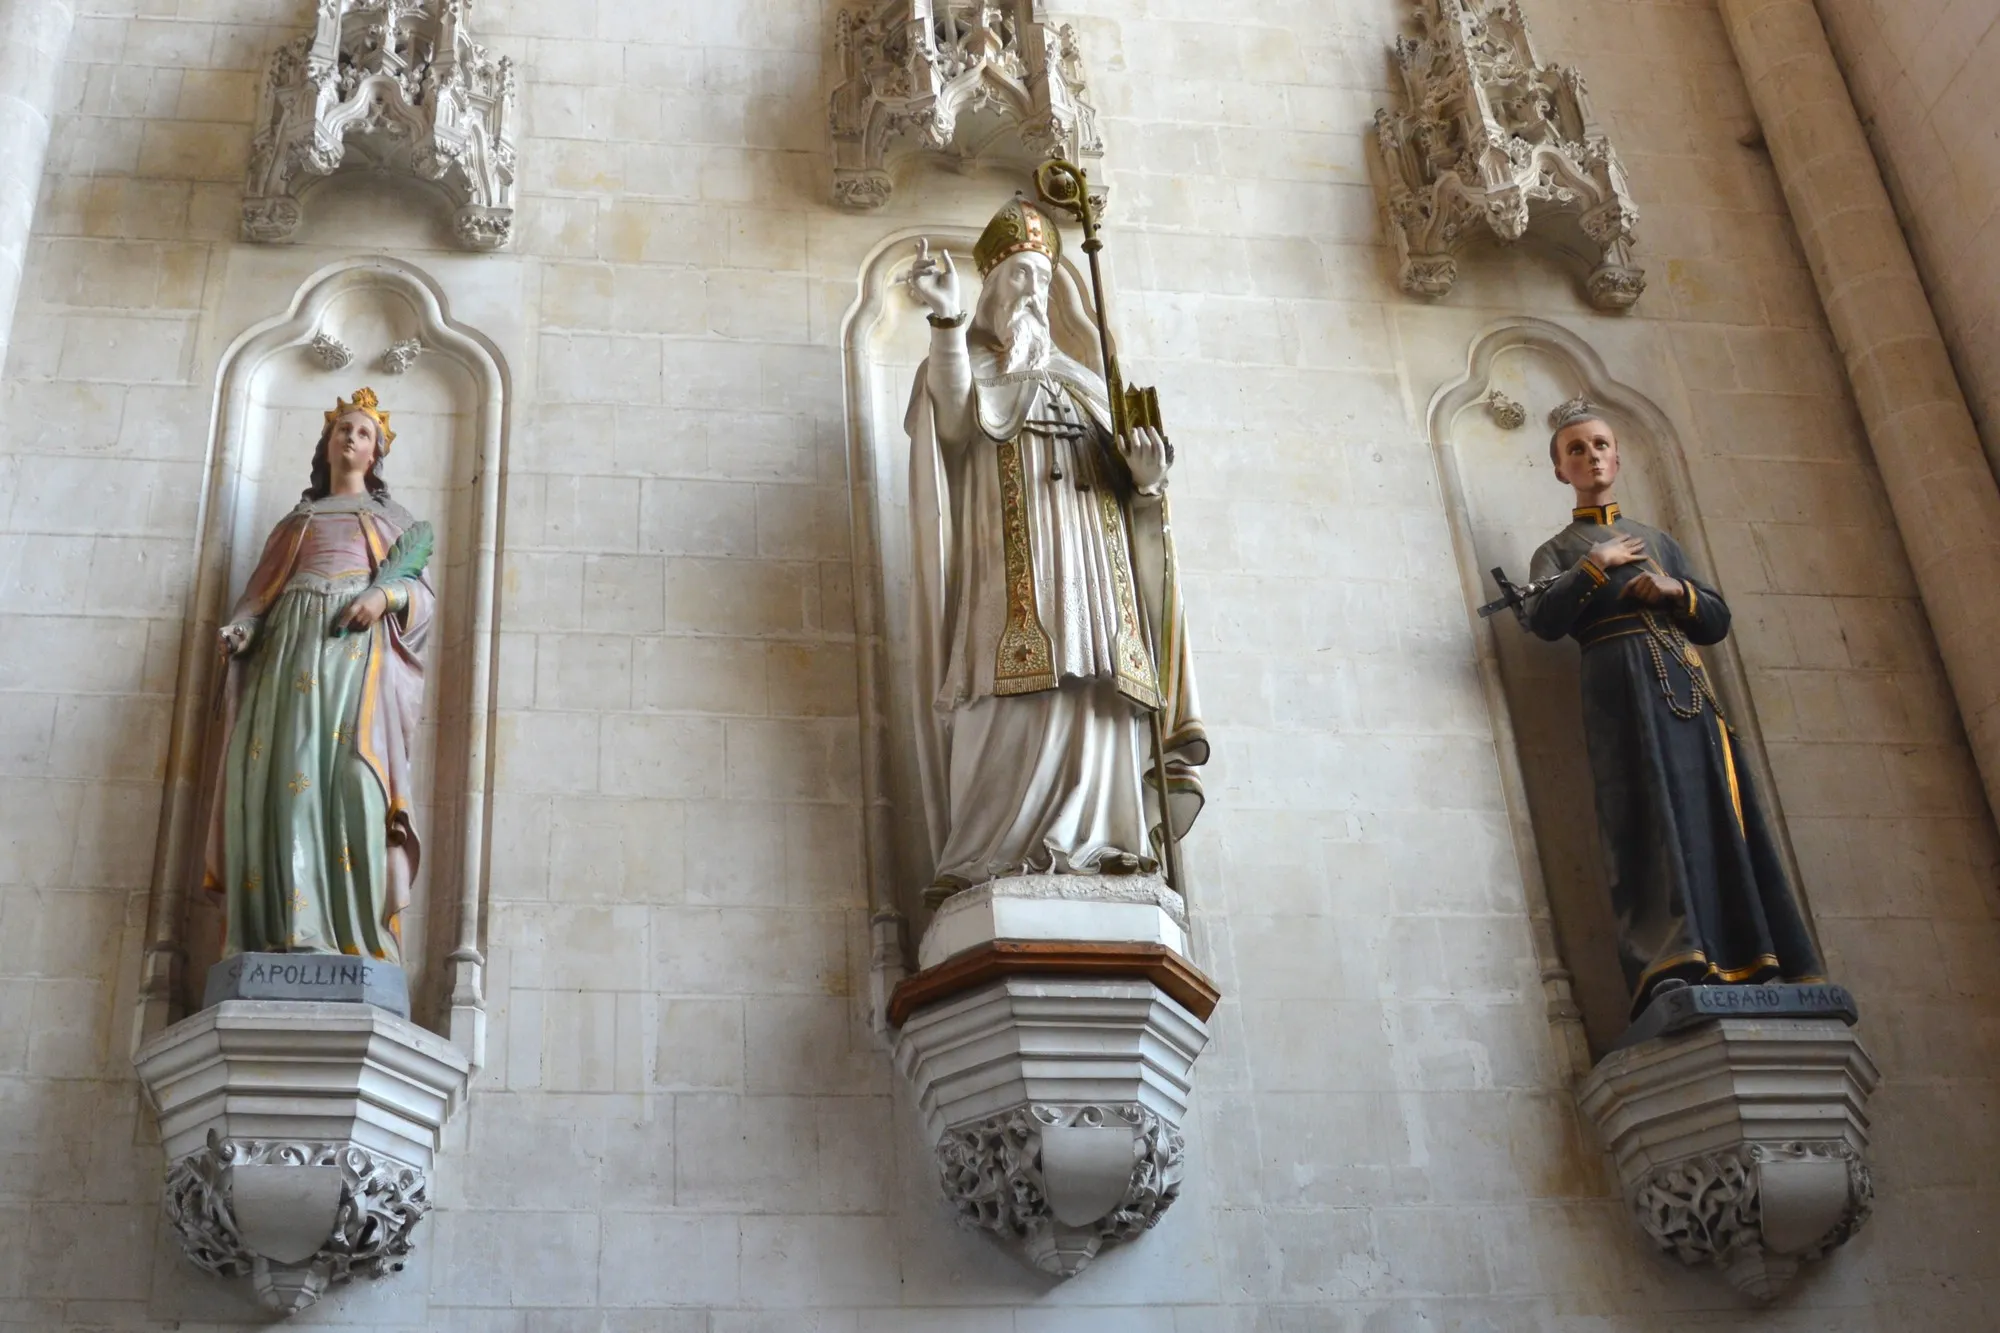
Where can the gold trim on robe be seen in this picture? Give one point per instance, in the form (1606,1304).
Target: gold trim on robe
(1137,680)
(1024,662)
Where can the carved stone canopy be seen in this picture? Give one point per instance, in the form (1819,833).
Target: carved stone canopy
(977,81)
(397,86)
(1491,139)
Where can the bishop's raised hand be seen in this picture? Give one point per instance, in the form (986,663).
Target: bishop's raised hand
(933,281)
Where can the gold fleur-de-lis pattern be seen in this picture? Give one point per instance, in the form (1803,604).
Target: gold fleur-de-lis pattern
(346,859)
(256,747)
(305,682)
(299,784)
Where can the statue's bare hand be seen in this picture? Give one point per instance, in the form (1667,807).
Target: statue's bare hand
(365,610)
(1655,589)
(934,282)
(1608,555)
(1145,454)
(232,640)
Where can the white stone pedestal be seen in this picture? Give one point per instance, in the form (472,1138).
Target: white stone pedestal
(1138,909)
(299,1137)
(1052,1073)
(1742,1143)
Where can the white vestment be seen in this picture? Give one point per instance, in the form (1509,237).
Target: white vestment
(1034,633)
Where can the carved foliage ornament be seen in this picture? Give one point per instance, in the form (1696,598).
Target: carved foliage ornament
(975,80)
(1490,138)
(380,1202)
(993,1173)
(1710,1209)
(396,86)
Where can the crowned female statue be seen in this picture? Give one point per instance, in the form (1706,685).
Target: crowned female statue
(1044,587)
(310,840)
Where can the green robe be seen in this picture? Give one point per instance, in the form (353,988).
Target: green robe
(312,797)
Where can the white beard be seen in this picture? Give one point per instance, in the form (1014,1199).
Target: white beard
(1028,344)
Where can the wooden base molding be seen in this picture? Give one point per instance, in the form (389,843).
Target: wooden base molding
(1100,960)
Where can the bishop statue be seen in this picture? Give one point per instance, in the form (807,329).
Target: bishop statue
(1049,624)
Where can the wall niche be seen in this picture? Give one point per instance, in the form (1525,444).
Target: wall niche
(1490,428)
(381,323)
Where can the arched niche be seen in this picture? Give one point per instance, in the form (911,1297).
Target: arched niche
(1504,501)
(884,338)
(449,410)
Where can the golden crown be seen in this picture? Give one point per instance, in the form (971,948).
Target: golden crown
(1017,227)
(365,402)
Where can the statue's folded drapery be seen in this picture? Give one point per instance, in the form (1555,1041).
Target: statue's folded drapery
(309,828)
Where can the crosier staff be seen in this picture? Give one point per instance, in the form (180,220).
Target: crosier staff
(1063,185)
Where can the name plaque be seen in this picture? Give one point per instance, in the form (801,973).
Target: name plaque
(1690,1006)
(335,978)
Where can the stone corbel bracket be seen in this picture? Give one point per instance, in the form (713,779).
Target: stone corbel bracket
(1050,1039)
(1742,1143)
(975,81)
(299,1138)
(1489,138)
(396,86)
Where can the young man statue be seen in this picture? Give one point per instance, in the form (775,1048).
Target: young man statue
(1697,885)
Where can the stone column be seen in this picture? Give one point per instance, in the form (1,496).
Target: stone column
(1941,488)
(33,34)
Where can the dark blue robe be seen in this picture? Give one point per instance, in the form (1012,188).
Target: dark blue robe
(1697,886)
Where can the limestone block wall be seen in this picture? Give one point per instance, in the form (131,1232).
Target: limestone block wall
(1921,72)
(684,1125)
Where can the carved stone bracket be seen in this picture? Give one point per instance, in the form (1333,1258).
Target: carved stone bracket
(1052,1070)
(1062,1181)
(396,86)
(1712,1208)
(974,80)
(237,1205)
(1490,138)
(1742,1143)
(299,1138)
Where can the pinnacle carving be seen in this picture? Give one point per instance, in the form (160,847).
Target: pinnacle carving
(977,81)
(388,85)
(1491,139)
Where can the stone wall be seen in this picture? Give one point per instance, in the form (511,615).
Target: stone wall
(684,1124)
(1921,72)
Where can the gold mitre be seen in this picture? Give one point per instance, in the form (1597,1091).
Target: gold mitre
(365,402)
(1017,227)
